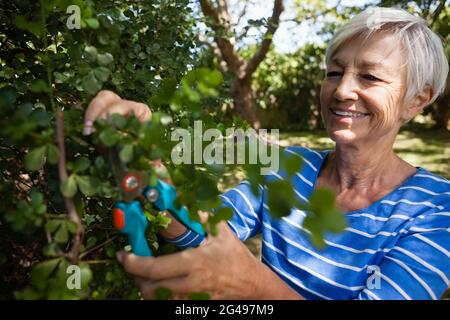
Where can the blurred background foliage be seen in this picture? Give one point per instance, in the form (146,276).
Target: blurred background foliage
(159,52)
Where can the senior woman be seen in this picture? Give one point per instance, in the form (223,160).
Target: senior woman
(383,67)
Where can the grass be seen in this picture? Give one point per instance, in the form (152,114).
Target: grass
(418,145)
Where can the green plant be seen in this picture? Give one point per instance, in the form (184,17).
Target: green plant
(56,184)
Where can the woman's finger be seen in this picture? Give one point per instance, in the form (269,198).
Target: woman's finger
(101,101)
(180,287)
(125,107)
(141,110)
(169,266)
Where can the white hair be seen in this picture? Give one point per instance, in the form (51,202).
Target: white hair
(426,60)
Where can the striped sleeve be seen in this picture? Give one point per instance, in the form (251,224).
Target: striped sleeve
(418,266)
(246,207)
(189,239)
(246,220)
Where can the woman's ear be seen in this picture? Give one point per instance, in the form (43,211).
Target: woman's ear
(417,103)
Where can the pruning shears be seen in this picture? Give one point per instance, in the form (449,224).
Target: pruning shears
(128,215)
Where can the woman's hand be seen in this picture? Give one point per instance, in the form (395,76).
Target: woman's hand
(106,103)
(222,267)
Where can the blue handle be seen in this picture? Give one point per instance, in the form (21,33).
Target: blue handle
(129,219)
(166,201)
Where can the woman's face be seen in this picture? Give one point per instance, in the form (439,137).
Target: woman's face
(362,94)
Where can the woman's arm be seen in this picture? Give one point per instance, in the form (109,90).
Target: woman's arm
(222,267)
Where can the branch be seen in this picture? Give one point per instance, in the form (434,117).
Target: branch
(101,245)
(242,14)
(267,40)
(437,12)
(62,170)
(215,49)
(220,24)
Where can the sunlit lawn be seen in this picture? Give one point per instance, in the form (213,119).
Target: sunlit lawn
(422,147)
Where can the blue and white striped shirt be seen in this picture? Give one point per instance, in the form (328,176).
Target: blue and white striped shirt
(396,248)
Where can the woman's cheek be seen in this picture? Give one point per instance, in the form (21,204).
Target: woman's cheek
(383,106)
(326,97)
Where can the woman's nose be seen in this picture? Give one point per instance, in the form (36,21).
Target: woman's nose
(347,88)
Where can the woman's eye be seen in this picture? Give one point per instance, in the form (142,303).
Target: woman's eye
(334,74)
(370,77)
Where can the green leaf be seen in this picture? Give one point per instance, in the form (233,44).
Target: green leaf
(99,162)
(92,23)
(90,84)
(72,227)
(199,296)
(35,159)
(69,187)
(126,153)
(51,250)
(118,120)
(322,199)
(42,272)
(41,209)
(109,137)
(61,235)
(103,38)
(162,293)
(224,213)
(90,242)
(293,164)
(335,221)
(105,58)
(37,28)
(88,185)
(280,198)
(36,198)
(314,227)
(91,53)
(213,78)
(102,73)
(52,153)
(86,275)
(39,86)
(52,225)
(81,164)
(165,92)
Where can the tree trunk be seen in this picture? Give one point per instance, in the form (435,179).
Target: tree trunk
(441,113)
(241,69)
(245,102)
(441,109)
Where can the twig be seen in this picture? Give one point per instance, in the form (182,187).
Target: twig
(97,261)
(55,216)
(85,253)
(229,54)
(73,254)
(259,56)
(242,14)
(437,12)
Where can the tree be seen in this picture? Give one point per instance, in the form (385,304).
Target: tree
(241,69)
(287,88)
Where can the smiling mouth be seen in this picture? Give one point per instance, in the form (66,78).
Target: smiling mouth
(349,114)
